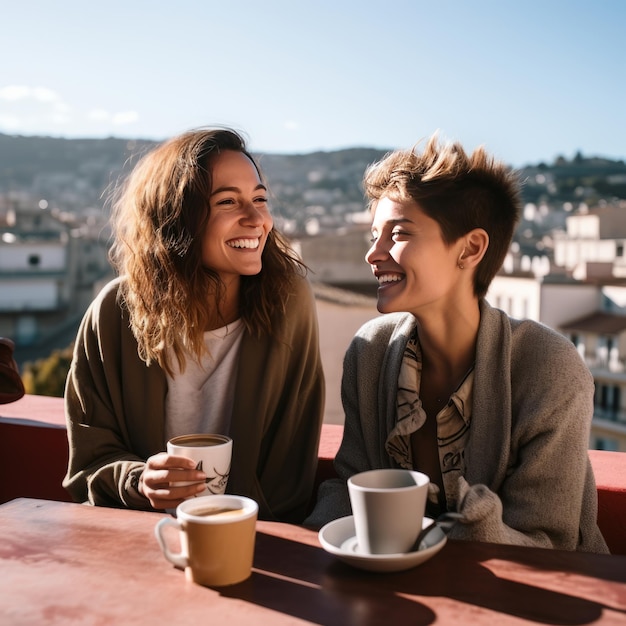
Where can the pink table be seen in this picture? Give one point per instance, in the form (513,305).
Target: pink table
(64,563)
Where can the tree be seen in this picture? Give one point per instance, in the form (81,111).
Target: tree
(46,377)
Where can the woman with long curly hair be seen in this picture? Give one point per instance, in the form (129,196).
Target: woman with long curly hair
(210,326)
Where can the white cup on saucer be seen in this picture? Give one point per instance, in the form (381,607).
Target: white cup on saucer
(388,507)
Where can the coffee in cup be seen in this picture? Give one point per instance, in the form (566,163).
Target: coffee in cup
(217,536)
(388,507)
(212,454)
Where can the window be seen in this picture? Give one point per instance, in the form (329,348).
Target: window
(616,401)
(604,443)
(607,401)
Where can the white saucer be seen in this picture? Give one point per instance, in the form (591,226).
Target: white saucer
(337,538)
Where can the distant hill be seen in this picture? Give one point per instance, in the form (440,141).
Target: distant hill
(75,174)
(70,173)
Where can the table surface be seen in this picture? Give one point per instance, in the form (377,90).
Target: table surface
(64,563)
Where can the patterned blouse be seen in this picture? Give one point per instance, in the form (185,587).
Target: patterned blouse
(453,424)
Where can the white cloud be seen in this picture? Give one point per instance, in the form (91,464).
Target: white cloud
(60,118)
(13,93)
(10,122)
(125,117)
(41,110)
(117,119)
(99,115)
(62,107)
(31,109)
(43,94)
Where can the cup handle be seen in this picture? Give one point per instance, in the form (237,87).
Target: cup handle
(178,559)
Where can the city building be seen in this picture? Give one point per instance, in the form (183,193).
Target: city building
(593,317)
(583,296)
(594,239)
(51,264)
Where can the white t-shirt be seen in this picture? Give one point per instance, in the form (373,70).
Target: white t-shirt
(200,400)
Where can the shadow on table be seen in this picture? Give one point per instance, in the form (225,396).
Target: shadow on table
(307,583)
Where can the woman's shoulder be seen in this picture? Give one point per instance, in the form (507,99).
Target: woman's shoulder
(534,342)
(379,332)
(386,324)
(531,334)
(301,286)
(526,333)
(110,289)
(386,334)
(106,302)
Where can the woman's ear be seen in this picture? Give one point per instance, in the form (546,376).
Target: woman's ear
(475,244)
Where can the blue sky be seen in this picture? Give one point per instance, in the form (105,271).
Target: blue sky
(529,80)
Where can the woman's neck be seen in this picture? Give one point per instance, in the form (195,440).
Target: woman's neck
(225,309)
(448,344)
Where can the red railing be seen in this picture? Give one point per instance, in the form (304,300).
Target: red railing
(34,453)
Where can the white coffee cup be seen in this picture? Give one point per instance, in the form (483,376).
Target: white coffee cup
(217,536)
(212,453)
(388,507)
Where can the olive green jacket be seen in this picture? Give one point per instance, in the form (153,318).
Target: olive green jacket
(115,410)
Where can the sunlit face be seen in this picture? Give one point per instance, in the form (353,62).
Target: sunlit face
(415,268)
(239,221)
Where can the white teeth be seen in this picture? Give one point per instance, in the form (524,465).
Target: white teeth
(389,278)
(243,243)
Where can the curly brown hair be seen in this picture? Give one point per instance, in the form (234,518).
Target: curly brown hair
(458,191)
(158,218)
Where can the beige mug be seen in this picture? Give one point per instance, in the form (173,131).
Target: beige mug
(217,536)
(212,454)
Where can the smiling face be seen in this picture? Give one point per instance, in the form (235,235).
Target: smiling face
(239,220)
(416,270)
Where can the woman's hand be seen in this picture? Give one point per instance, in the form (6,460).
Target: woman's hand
(159,478)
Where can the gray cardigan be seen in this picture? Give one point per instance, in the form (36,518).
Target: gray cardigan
(528,478)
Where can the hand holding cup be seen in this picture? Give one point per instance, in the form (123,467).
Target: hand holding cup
(194,465)
(212,455)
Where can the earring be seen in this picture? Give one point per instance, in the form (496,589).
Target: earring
(460,266)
